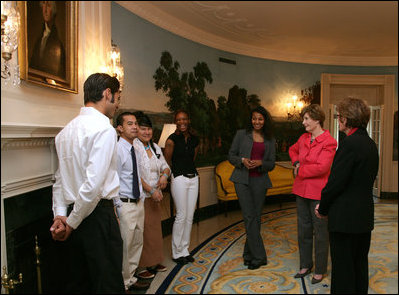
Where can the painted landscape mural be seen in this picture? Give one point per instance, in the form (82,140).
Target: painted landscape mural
(216,122)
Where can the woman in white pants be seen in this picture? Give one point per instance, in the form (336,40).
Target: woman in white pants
(180,151)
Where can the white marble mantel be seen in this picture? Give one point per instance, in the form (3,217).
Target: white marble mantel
(28,158)
(14,130)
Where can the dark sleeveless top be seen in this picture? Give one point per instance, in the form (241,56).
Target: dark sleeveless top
(183,154)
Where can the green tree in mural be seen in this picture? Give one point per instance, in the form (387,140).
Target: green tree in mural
(224,124)
(186,90)
(233,113)
(238,108)
(216,126)
(174,85)
(253,101)
(312,94)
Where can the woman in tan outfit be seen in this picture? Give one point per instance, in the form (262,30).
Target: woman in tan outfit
(154,173)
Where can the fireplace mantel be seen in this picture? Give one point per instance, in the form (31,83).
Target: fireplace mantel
(28,158)
(9,130)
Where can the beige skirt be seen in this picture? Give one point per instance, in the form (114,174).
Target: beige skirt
(152,253)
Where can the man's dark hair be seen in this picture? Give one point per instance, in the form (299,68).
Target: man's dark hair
(121,117)
(95,84)
(138,114)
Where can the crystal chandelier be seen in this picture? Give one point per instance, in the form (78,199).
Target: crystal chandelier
(294,109)
(10,22)
(115,67)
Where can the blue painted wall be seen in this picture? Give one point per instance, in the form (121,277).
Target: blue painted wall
(141,44)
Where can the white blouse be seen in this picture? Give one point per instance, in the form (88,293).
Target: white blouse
(150,168)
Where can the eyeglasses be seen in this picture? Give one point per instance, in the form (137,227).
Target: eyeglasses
(336,116)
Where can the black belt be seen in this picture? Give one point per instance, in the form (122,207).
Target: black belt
(190,175)
(101,203)
(129,200)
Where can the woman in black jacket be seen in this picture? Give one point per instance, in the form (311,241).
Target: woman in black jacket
(347,199)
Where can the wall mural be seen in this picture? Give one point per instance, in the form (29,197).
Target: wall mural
(216,123)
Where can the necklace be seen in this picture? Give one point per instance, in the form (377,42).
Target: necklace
(147,147)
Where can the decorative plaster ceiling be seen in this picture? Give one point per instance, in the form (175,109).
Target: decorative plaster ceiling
(363,33)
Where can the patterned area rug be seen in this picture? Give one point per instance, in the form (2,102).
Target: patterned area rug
(219,268)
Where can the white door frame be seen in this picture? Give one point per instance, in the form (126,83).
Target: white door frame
(389,168)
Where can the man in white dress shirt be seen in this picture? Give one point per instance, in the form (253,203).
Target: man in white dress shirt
(130,203)
(86,183)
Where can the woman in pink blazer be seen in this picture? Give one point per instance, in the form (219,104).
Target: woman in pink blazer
(312,156)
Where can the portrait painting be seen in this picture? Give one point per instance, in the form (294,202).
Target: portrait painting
(48,48)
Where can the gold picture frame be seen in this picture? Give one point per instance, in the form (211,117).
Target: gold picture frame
(48,43)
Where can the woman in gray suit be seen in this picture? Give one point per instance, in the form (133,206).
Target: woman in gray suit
(253,154)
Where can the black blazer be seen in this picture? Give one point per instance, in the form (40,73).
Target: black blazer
(241,148)
(347,198)
(53,60)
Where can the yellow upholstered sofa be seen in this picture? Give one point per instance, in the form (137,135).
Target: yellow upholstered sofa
(281,177)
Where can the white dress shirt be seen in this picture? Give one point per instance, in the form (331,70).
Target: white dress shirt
(86,149)
(125,171)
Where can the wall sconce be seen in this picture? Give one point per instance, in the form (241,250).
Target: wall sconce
(294,109)
(10,22)
(115,67)
(167,130)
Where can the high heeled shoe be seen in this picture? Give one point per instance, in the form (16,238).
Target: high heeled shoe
(315,281)
(301,275)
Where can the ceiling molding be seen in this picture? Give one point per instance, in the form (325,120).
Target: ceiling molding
(151,13)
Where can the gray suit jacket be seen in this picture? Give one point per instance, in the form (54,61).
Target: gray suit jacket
(241,148)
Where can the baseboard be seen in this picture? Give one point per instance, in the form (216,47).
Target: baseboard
(221,208)
(389,195)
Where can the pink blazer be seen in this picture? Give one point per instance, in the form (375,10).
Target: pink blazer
(314,163)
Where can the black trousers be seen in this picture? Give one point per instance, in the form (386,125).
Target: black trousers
(251,197)
(311,231)
(95,255)
(349,258)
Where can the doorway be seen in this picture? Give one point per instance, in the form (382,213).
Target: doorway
(378,91)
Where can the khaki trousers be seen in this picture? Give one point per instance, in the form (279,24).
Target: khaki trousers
(131,222)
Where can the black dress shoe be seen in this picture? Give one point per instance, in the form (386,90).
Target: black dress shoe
(247,262)
(139,285)
(181,260)
(256,265)
(301,275)
(253,266)
(189,258)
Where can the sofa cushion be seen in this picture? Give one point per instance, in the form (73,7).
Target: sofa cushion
(281,177)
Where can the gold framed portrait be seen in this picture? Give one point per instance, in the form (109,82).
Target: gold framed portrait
(48,43)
